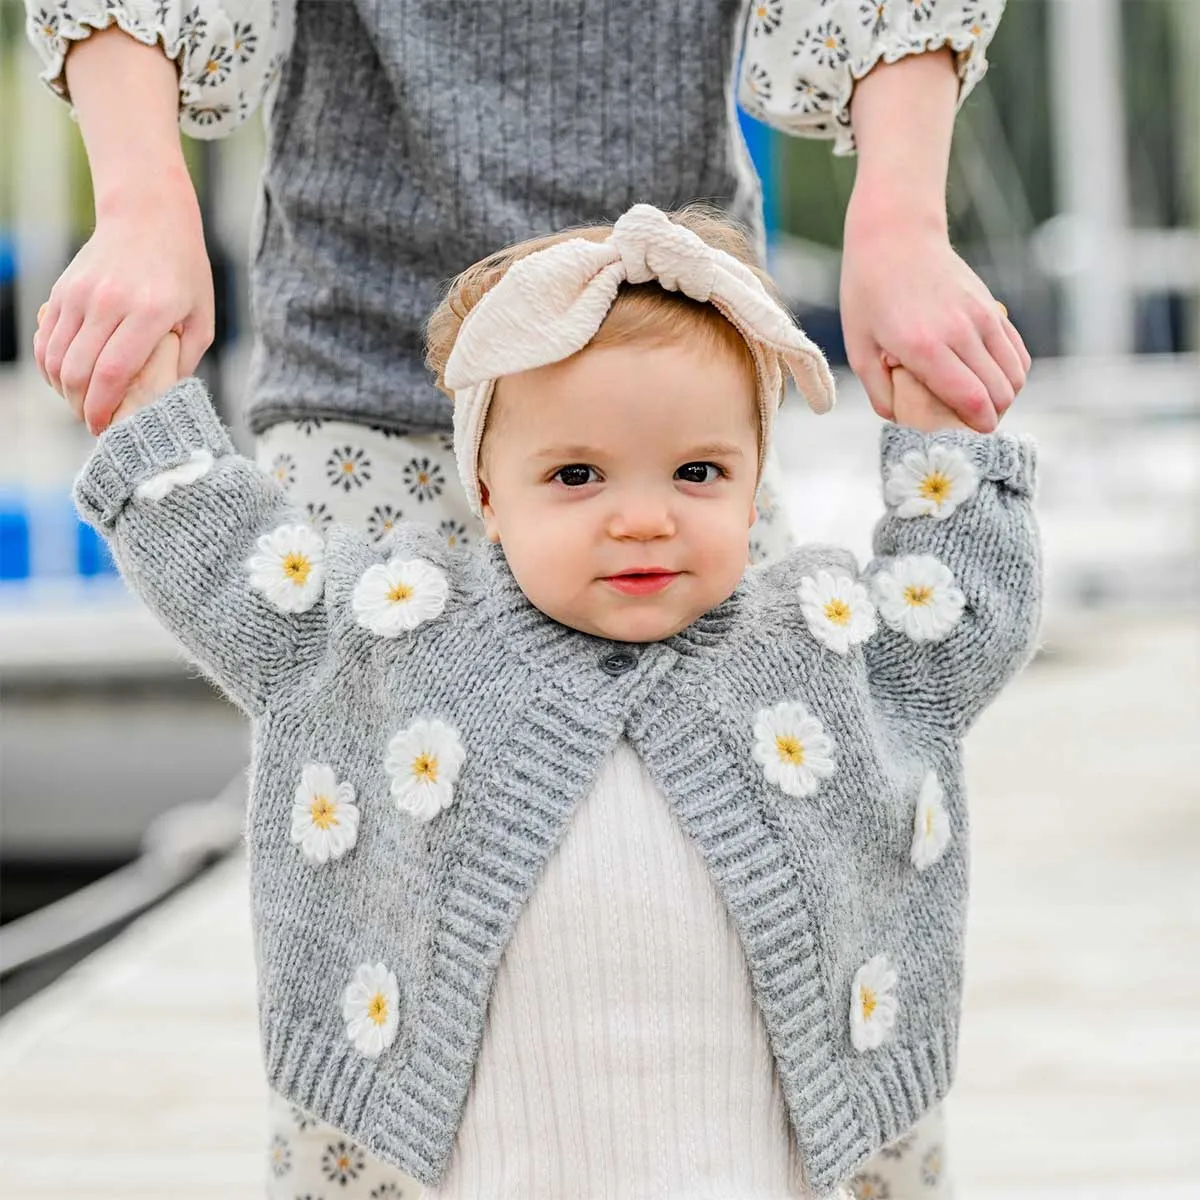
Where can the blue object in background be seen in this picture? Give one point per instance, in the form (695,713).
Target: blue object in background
(760,141)
(14,537)
(92,554)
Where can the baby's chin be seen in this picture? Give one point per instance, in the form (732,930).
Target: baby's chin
(636,622)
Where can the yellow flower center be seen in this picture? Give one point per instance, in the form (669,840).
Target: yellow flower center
(212,67)
(831,43)
(918,596)
(423,478)
(837,611)
(426,767)
(343,1161)
(790,749)
(377,1010)
(400,593)
(296,567)
(348,468)
(868,1003)
(935,486)
(324,812)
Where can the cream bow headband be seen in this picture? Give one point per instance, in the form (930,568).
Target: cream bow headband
(549,305)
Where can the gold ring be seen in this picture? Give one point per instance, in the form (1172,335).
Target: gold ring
(42,311)
(1003,309)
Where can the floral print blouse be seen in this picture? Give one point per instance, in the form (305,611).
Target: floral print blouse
(802,57)
(800,61)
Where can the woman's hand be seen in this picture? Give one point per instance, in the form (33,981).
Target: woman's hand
(143,273)
(913,404)
(908,298)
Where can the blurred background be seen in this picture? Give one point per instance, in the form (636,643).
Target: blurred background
(127,1037)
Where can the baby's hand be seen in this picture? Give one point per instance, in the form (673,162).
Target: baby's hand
(159,374)
(913,404)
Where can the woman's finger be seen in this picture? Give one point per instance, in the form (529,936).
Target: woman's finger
(1004,354)
(124,356)
(47,320)
(954,382)
(971,349)
(70,319)
(82,355)
(1018,343)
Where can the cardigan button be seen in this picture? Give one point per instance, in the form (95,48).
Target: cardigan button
(617,662)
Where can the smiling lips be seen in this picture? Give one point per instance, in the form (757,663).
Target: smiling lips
(641,581)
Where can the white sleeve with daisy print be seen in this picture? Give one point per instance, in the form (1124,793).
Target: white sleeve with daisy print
(212,544)
(956,583)
(801,58)
(228,51)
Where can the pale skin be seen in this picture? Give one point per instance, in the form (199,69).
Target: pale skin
(616,460)
(907,297)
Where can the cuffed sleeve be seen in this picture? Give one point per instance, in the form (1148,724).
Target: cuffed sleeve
(801,58)
(957,580)
(211,544)
(228,52)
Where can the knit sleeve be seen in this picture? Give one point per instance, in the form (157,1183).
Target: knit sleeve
(956,580)
(802,58)
(211,544)
(228,52)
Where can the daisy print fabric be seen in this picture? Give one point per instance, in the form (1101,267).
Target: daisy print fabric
(931,483)
(394,597)
(801,60)
(371,1009)
(228,52)
(837,610)
(917,596)
(873,1004)
(289,567)
(370,477)
(324,815)
(792,747)
(423,762)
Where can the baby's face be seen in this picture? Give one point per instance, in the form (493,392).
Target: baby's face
(624,459)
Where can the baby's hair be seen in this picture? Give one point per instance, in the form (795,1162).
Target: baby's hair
(644,313)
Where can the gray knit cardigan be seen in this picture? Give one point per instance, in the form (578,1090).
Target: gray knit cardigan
(817,885)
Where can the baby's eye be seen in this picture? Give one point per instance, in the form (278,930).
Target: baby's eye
(697,472)
(575,475)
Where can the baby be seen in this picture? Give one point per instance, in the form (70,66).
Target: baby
(593,861)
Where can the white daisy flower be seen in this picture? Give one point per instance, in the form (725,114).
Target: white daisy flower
(873,1004)
(289,568)
(396,596)
(423,761)
(371,1009)
(324,815)
(931,833)
(930,483)
(793,748)
(199,463)
(837,609)
(918,597)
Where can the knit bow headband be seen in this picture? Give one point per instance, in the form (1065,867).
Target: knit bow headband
(550,304)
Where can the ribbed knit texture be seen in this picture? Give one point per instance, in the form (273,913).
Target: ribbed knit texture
(815,886)
(624,1054)
(410,139)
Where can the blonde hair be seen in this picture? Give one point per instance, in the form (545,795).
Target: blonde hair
(645,312)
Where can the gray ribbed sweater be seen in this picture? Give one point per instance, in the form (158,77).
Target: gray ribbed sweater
(410,139)
(816,886)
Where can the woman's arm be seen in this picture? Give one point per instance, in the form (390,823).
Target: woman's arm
(145,269)
(886,79)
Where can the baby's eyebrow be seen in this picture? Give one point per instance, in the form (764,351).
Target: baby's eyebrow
(715,449)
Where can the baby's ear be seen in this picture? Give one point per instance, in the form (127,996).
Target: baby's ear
(491,527)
